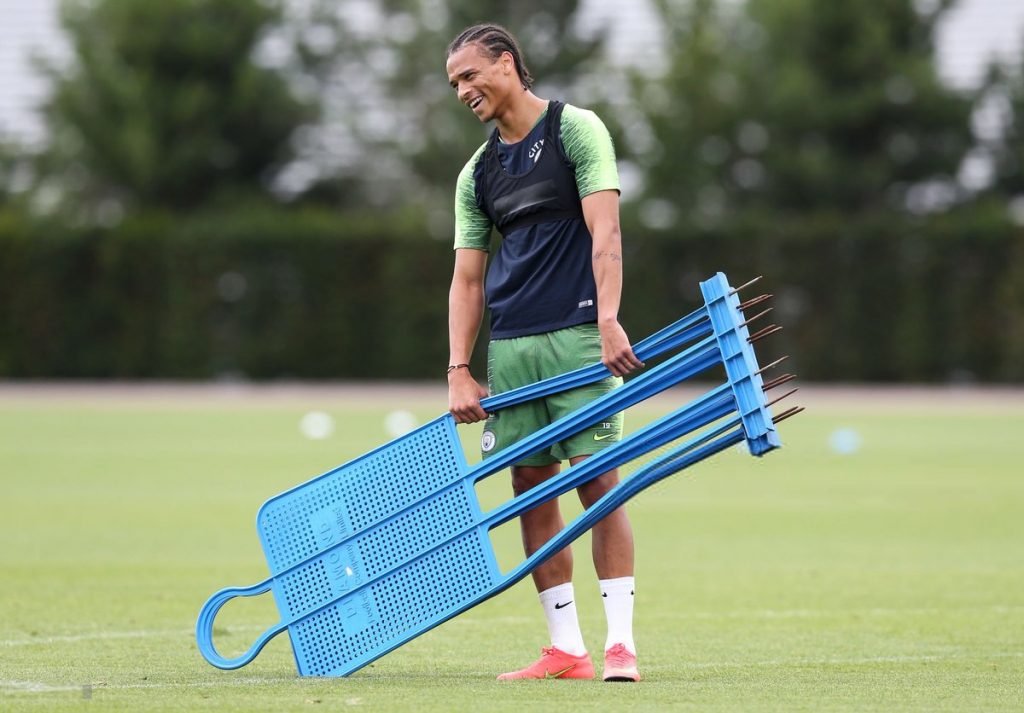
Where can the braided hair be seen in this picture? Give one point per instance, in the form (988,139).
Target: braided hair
(494,40)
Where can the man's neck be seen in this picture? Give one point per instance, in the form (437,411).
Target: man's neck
(520,117)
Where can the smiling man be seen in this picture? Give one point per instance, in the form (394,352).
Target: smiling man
(547,180)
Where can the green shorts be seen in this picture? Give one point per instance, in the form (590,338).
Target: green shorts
(515,362)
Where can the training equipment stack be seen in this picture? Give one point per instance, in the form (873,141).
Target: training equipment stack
(374,553)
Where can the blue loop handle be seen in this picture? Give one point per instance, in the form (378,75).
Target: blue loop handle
(204,626)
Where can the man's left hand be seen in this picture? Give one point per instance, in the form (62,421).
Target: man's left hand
(616,352)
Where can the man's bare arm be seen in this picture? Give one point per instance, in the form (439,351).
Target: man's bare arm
(601,213)
(465,315)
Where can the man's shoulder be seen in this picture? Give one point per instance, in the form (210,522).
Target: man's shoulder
(589,148)
(575,112)
(575,117)
(466,183)
(474,160)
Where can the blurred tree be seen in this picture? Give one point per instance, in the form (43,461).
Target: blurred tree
(15,173)
(822,124)
(792,107)
(1003,132)
(162,104)
(394,135)
(1000,125)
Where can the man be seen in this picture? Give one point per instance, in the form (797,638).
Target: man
(547,180)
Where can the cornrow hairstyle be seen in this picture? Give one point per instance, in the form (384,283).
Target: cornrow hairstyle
(494,40)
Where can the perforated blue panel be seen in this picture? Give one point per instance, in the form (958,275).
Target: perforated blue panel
(374,552)
(302,522)
(344,635)
(320,582)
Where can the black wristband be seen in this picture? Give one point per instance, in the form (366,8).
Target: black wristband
(453,367)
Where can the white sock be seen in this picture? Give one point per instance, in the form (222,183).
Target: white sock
(563,625)
(617,595)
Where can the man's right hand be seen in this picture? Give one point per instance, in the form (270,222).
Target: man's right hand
(464,394)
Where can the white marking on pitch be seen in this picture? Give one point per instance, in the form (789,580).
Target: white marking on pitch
(36,687)
(102,635)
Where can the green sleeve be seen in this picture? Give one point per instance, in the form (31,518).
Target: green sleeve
(588,145)
(472,226)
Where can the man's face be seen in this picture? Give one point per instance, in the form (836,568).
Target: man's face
(481,83)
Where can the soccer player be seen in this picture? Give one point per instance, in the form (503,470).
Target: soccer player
(547,180)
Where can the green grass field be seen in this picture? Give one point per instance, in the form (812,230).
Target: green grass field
(889,579)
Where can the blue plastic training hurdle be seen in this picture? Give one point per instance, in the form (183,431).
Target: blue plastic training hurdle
(379,550)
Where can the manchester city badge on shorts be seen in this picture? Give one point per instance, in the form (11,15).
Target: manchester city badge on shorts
(487,441)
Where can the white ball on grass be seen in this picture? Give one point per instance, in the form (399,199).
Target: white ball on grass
(845,441)
(398,423)
(316,425)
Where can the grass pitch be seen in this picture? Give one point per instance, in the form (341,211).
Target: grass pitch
(891,578)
